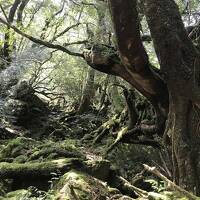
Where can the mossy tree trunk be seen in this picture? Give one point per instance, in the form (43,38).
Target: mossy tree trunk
(17,8)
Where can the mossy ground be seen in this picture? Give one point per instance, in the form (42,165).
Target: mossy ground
(66,169)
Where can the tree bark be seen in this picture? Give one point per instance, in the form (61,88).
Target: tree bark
(88,92)
(132,63)
(180,66)
(115,97)
(17,7)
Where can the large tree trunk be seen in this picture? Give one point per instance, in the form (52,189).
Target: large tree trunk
(183,130)
(173,91)
(180,66)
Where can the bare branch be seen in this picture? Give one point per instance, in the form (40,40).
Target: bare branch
(48,20)
(4,13)
(64,31)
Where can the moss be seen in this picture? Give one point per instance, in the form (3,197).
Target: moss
(5,186)
(18,194)
(51,150)
(23,149)
(44,169)
(17,147)
(99,168)
(31,193)
(21,159)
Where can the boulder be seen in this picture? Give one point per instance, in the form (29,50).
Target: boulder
(16,111)
(22,104)
(81,186)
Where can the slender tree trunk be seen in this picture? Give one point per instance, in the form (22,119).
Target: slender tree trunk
(130,104)
(88,92)
(8,43)
(116,98)
(9,40)
(104,101)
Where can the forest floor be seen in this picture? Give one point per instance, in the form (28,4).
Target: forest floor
(57,156)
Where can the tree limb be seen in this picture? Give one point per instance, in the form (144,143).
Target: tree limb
(41,42)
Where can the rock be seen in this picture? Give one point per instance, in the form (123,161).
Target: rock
(18,194)
(22,104)
(99,168)
(16,111)
(22,149)
(31,193)
(22,91)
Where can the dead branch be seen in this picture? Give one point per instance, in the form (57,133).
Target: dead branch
(171,184)
(138,191)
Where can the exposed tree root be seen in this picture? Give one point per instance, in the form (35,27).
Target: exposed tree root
(140,134)
(97,135)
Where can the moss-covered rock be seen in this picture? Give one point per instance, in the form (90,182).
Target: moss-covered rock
(99,168)
(52,150)
(5,186)
(22,104)
(15,195)
(77,185)
(38,169)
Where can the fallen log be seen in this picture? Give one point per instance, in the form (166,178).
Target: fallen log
(36,169)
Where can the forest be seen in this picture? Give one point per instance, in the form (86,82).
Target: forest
(99,99)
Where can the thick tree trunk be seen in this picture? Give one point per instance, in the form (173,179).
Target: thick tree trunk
(180,66)
(183,129)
